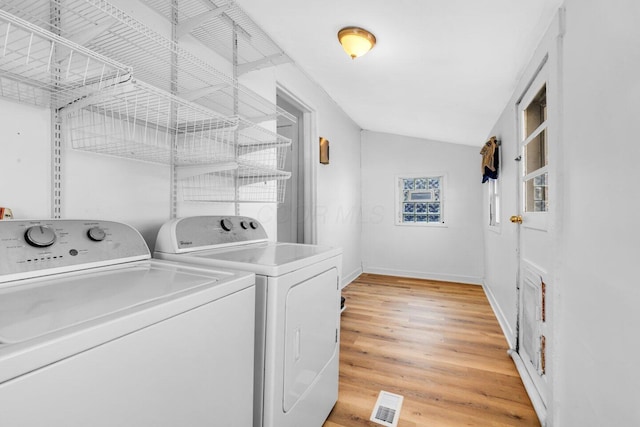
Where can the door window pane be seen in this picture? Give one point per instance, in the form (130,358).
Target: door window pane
(535,148)
(536,112)
(536,153)
(536,191)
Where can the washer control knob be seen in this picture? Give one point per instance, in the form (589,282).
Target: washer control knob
(40,236)
(244,225)
(253,225)
(226,225)
(96,234)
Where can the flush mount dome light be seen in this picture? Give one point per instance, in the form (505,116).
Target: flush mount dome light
(356,41)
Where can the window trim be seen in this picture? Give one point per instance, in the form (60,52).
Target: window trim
(532,220)
(495,188)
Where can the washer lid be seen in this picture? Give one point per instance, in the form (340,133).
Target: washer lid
(268,259)
(41,306)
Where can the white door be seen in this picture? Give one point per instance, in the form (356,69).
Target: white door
(536,132)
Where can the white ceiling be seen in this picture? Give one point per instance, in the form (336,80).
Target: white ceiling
(441,70)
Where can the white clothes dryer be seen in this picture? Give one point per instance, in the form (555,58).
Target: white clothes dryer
(93,332)
(297,311)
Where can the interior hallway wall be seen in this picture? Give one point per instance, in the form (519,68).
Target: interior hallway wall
(599,382)
(501,241)
(596,378)
(453,252)
(500,244)
(25,159)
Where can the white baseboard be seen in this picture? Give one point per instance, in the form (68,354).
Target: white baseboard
(534,395)
(348,278)
(472,280)
(502,319)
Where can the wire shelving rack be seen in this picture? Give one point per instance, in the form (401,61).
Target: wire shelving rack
(165,106)
(39,67)
(105,29)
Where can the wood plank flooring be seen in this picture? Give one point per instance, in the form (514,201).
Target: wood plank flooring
(436,343)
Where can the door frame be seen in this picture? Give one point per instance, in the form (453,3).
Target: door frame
(290,212)
(532,384)
(311,159)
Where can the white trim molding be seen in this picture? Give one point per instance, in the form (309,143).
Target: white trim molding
(470,280)
(502,319)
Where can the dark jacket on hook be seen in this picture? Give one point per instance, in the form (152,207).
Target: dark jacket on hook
(490,160)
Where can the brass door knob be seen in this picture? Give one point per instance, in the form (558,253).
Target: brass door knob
(516,219)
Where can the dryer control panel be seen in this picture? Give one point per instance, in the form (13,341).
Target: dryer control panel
(201,232)
(39,247)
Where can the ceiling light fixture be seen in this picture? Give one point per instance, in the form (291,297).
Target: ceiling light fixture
(356,41)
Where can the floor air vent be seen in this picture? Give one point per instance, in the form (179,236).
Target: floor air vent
(387,409)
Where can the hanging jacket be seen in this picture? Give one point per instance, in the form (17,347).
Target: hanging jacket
(490,159)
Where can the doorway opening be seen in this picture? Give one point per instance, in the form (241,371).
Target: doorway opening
(291,212)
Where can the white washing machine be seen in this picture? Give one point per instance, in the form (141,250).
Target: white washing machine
(297,311)
(93,332)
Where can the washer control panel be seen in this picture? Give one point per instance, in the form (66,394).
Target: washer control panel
(206,231)
(39,245)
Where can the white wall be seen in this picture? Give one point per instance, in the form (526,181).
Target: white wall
(451,253)
(500,244)
(25,165)
(94,186)
(101,187)
(338,185)
(599,382)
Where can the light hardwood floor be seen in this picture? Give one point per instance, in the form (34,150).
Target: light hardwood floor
(436,343)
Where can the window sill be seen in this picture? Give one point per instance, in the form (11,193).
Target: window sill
(418,224)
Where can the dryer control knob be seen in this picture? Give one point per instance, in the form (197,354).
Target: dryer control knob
(226,225)
(244,225)
(96,234)
(253,225)
(40,236)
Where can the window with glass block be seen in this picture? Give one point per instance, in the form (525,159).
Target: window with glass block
(420,200)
